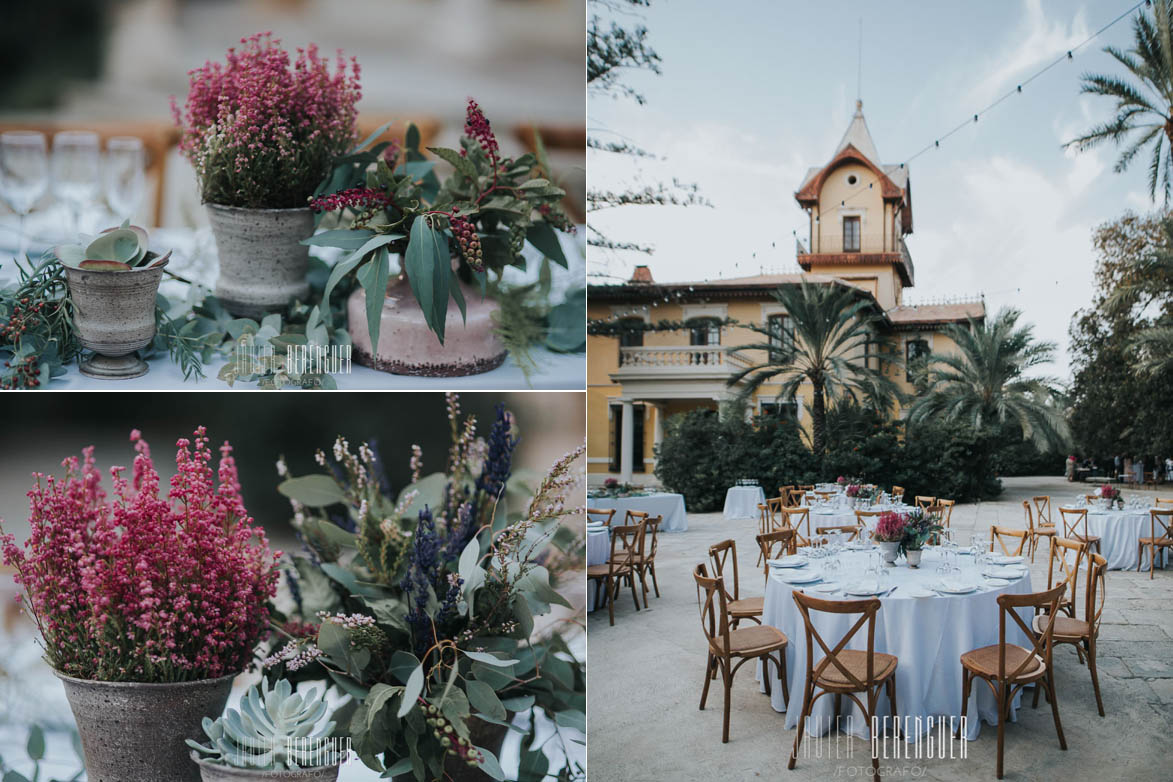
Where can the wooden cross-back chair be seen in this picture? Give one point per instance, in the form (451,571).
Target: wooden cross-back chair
(606,513)
(1042,505)
(897,492)
(768,517)
(784,493)
(730,647)
(1082,633)
(1002,534)
(799,520)
(1006,668)
(644,562)
(635,516)
(924,501)
(1067,555)
(946,511)
(853,531)
(1163,501)
(842,671)
(775,545)
(805,487)
(1036,531)
(626,544)
(722,555)
(1160,519)
(861,519)
(1075,526)
(795,498)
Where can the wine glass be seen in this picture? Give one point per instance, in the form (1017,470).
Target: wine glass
(75,171)
(125,179)
(24,175)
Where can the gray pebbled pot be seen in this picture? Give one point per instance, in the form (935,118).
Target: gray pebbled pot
(262,261)
(133,732)
(114,312)
(212,772)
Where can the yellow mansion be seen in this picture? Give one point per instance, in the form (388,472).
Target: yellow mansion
(859,210)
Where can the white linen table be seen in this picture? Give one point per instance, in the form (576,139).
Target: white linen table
(1119,532)
(928,635)
(668,506)
(598,551)
(824,516)
(741,502)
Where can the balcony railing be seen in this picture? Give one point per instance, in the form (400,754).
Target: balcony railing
(907,258)
(680,359)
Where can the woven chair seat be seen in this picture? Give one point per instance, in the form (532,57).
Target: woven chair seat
(1046,529)
(604,570)
(1066,628)
(984,662)
(753,641)
(747,606)
(856,662)
(1156,541)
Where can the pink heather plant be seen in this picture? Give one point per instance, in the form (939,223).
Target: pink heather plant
(890,527)
(261,134)
(145,588)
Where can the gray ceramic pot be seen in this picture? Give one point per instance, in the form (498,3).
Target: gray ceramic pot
(132,732)
(913,557)
(408,347)
(114,312)
(262,261)
(211,772)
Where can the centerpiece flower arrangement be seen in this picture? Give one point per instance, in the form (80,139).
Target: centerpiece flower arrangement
(147,605)
(919,528)
(889,533)
(449,235)
(613,487)
(261,131)
(422,605)
(1111,495)
(861,492)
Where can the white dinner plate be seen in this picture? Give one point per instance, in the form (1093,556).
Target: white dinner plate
(795,577)
(825,587)
(864,590)
(956,589)
(1004,572)
(997,582)
(1003,559)
(791,561)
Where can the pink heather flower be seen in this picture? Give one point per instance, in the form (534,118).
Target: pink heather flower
(140,587)
(890,526)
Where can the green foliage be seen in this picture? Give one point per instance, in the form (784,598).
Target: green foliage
(37,335)
(527,320)
(273,730)
(35,749)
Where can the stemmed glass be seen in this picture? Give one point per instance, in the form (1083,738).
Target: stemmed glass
(24,175)
(75,171)
(124,177)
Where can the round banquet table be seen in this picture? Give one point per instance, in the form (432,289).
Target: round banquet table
(741,502)
(1119,531)
(670,507)
(824,516)
(927,634)
(598,551)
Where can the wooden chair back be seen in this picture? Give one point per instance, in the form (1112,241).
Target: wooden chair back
(722,554)
(1096,592)
(1088,497)
(784,493)
(867,610)
(805,487)
(946,511)
(1074,522)
(775,545)
(626,545)
(652,525)
(799,520)
(853,531)
(1030,519)
(925,501)
(1067,554)
(1164,501)
(711,596)
(1161,519)
(795,498)
(1002,534)
(897,492)
(1041,642)
(635,516)
(606,513)
(861,517)
(1043,508)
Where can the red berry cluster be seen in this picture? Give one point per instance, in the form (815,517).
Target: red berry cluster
(469,242)
(557,218)
(360,199)
(26,373)
(452,743)
(18,323)
(476,127)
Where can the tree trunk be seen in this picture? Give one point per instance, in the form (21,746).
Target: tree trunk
(819,421)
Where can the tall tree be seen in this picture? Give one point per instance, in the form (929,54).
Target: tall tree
(986,383)
(1144,98)
(614,50)
(833,336)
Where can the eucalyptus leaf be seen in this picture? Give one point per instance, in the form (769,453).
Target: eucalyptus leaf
(373,278)
(489,764)
(316,491)
(571,718)
(428,267)
(399,767)
(415,686)
(462,164)
(489,659)
(344,238)
(379,696)
(543,237)
(484,699)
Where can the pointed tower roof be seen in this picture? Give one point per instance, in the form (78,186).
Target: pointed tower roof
(857,135)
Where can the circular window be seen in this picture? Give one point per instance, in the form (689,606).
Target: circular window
(851,180)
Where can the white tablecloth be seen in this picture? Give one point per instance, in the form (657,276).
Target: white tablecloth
(741,502)
(668,506)
(927,634)
(1119,531)
(822,516)
(598,551)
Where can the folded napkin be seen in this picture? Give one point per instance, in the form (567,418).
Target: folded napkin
(916,591)
(997,582)
(1003,559)
(864,587)
(1004,572)
(956,585)
(790,561)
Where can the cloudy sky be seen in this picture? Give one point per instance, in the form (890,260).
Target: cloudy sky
(753,95)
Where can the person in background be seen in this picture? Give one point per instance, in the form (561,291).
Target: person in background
(1169,468)
(1138,469)
(1069,470)
(1116,463)
(1127,474)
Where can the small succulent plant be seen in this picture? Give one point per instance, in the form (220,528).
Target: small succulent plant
(274,730)
(115,249)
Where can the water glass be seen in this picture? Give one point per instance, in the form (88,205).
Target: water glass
(831,569)
(76,168)
(124,175)
(24,174)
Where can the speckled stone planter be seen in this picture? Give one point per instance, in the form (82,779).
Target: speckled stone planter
(133,732)
(408,347)
(211,772)
(913,557)
(262,261)
(114,312)
(890,550)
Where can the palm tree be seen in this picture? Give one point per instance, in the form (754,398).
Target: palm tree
(833,331)
(985,383)
(1144,108)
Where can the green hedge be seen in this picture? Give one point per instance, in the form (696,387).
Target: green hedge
(701,456)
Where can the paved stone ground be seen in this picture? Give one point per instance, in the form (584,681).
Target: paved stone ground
(645,677)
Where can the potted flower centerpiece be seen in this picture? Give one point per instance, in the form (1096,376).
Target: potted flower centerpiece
(451,238)
(422,605)
(112,282)
(276,734)
(919,529)
(889,534)
(261,133)
(147,606)
(1109,495)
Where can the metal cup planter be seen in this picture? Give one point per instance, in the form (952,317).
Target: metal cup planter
(135,731)
(114,313)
